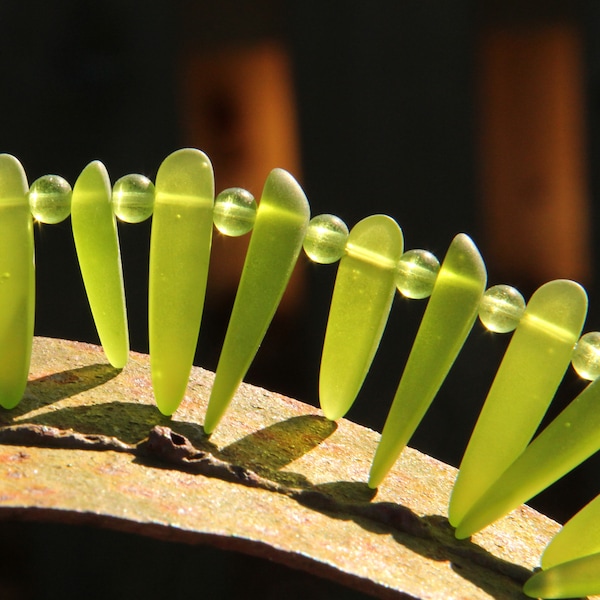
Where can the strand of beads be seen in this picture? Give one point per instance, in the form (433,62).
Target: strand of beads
(500,310)
(416,274)
(325,242)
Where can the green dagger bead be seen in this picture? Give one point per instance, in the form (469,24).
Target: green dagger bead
(133,198)
(579,537)
(179,258)
(276,241)
(572,437)
(50,199)
(575,579)
(97,245)
(17,281)
(450,314)
(361,302)
(531,371)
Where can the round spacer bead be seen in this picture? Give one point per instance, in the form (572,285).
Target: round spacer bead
(586,356)
(235,212)
(501,308)
(50,199)
(325,239)
(133,198)
(417,272)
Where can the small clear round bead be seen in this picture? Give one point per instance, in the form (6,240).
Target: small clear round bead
(417,272)
(501,308)
(133,198)
(235,212)
(50,199)
(586,356)
(325,239)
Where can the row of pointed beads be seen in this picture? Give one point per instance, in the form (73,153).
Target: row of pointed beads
(502,306)
(501,309)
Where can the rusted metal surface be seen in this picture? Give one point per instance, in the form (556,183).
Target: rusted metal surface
(87,445)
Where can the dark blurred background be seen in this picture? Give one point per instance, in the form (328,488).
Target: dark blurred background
(481,117)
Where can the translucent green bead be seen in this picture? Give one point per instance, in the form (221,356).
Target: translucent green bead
(532,368)
(133,198)
(234,212)
(325,239)
(417,272)
(274,247)
(501,308)
(50,199)
(586,356)
(449,317)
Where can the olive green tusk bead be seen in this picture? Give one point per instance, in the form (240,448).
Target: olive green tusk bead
(449,317)
(531,371)
(579,537)
(362,298)
(276,242)
(179,257)
(97,244)
(574,579)
(17,282)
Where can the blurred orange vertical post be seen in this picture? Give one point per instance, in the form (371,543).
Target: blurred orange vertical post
(238,106)
(532,142)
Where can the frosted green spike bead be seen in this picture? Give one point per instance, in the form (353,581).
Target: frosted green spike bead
(133,198)
(579,537)
(50,199)
(17,281)
(325,239)
(586,356)
(362,298)
(234,212)
(417,272)
(501,308)
(99,255)
(533,366)
(565,443)
(179,257)
(450,314)
(574,579)
(274,247)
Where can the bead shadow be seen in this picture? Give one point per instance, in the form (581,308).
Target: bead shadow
(270,449)
(58,386)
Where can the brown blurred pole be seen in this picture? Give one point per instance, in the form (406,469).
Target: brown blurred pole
(532,141)
(238,105)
